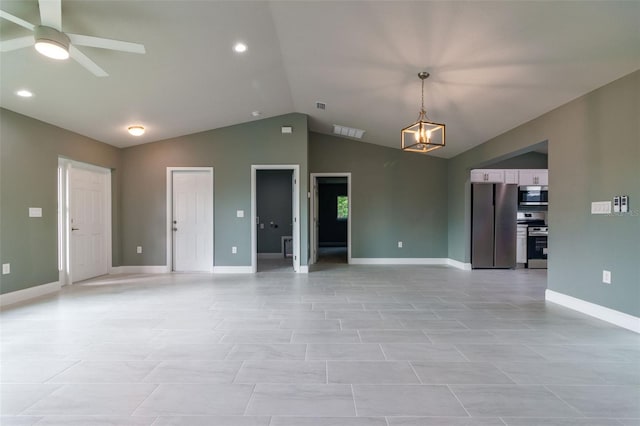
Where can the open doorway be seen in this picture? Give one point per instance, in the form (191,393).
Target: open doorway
(275,211)
(331,218)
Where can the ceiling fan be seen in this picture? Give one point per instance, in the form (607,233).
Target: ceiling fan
(50,41)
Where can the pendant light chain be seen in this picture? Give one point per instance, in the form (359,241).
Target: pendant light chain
(423,113)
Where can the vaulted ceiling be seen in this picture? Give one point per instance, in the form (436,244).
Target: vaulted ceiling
(493,65)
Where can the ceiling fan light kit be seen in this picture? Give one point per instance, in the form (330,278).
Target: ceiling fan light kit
(51,43)
(423,136)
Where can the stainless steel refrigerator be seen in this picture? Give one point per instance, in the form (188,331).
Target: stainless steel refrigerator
(494,209)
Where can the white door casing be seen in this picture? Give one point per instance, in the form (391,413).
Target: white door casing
(315,209)
(192,220)
(88,221)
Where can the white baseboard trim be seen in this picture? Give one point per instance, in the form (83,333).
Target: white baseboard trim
(270,256)
(304,269)
(398,261)
(458,264)
(606,314)
(232,270)
(29,293)
(410,261)
(144,269)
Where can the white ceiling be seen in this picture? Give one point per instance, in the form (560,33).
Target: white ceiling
(493,65)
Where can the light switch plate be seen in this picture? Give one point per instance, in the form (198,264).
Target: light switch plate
(35,211)
(601,207)
(6,268)
(624,203)
(240,213)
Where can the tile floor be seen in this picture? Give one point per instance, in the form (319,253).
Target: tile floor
(344,346)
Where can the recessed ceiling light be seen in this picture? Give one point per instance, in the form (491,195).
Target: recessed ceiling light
(240,47)
(136,130)
(24,93)
(256,113)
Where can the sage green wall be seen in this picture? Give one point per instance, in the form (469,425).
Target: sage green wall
(29,151)
(530,160)
(594,154)
(395,196)
(230,151)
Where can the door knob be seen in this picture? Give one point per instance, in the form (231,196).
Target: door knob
(75,229)
(175,221)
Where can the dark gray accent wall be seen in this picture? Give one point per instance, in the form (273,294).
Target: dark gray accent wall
(230,151)
(331,230)
(594,154)
(29,152)
(395,196)
(274,208)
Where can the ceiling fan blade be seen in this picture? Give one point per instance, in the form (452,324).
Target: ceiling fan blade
(105,43)
(84,60)
(51,13)
(16,20)
(16,43)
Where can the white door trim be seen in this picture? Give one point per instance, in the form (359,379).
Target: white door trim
(169,228)
(314,202)
(296,209)
(65,274)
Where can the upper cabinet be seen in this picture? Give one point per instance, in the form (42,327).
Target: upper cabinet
(534,177)
(512,176)
(487,175)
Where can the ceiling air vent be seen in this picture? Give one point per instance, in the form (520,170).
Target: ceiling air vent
(321,105)
(349,132)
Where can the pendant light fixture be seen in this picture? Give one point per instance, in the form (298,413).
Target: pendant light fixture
(423,135)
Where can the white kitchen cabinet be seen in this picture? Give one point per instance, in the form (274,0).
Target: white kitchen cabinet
(534,177)
(487,176)
(511,176)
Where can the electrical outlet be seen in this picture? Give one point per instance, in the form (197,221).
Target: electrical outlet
(139,249)
(234,250)
(606,276)
(399,244)
(6,268)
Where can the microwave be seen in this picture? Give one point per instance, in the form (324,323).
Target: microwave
(533,196)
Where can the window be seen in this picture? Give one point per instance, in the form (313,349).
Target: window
(343,207)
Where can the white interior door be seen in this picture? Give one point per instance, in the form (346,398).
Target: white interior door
(192,221)
(87,217)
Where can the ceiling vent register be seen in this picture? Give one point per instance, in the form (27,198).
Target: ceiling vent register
(349,132)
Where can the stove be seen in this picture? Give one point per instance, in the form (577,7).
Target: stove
(534,226)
